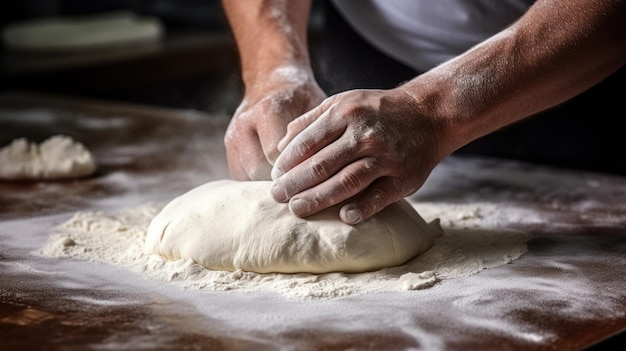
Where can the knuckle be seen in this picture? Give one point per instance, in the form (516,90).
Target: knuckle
(369,164)
(318,169)
(349,112)
(338,109)
(302,148)
(379,198)
(350,182)
(371,138)
(320,200)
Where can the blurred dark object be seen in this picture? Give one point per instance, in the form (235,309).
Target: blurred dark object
(193,66)
(175,14)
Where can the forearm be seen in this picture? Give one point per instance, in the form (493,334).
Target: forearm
(554,52)
(270,34)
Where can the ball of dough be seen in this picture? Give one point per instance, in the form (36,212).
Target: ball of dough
(58,157)
(230,225)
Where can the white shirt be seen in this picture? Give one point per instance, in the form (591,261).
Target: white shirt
(425,33)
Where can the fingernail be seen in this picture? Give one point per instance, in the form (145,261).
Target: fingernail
(351,215)
(299,206)
(278,193)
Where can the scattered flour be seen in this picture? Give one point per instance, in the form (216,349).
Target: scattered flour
(117,238)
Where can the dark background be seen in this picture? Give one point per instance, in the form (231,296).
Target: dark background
(196,66)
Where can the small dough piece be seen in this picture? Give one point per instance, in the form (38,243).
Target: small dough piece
(229,225)
(59,157)
(83,32)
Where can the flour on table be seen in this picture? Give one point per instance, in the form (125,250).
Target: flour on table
(469,247)
(228,225)
(58,157)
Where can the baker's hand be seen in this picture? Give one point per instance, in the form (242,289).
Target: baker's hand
(368,148)
(261,121)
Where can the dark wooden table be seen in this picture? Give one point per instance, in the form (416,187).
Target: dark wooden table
(567,292)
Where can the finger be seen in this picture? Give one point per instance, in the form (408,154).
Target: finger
(246,160)
(269,135)
(316,169)
(296,126)
(347,183)
(235,167)
(308,142)
(380,194)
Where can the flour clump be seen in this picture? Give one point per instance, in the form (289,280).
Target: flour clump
(228,225)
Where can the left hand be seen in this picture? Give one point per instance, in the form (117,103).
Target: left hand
(260,122)
(368,148)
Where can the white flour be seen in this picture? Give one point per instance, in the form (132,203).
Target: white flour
(468,246)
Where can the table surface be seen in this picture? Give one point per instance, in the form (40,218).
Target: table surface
(566,293)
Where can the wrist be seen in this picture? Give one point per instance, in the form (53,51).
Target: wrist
(429,100)
(279,76)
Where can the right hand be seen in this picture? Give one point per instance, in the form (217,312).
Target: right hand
(261,120)
(362,148)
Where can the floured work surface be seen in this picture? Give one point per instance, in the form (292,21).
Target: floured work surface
(566,292)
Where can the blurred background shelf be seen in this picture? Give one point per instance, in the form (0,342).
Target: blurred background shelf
(193,66)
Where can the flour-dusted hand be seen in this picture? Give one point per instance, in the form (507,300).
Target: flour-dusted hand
(261,119)
(278,79)
(370,147)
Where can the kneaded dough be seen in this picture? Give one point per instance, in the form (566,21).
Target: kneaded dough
(229,225)
(58,157)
